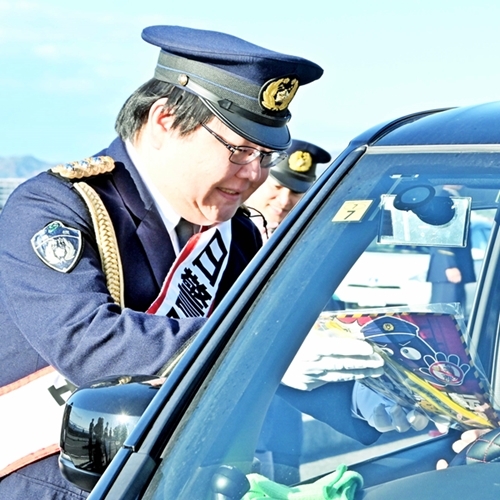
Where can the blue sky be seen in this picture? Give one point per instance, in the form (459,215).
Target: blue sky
(66,67)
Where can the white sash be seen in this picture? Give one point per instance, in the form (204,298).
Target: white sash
(32,410)
(191,284)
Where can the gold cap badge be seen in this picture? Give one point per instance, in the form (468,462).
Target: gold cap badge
(300,161)
(388,327)
(276,95)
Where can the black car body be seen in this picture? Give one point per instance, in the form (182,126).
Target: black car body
(219,401)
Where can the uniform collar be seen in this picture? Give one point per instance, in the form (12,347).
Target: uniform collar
(139,201)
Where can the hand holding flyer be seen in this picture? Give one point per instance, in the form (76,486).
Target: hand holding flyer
(322,359)
(427,363)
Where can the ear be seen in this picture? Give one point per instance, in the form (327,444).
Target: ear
(159,123)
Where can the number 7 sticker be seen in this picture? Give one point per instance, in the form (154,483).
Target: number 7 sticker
(352,211)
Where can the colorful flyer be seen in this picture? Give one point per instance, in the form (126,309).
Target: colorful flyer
(428,365)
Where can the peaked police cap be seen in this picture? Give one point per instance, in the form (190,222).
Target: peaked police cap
(298,171)
(246,86)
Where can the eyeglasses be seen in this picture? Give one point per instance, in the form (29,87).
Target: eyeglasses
(242,155)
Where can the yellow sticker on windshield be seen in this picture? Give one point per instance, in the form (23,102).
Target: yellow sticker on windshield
(352,211)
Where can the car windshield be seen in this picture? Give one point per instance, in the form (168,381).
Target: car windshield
(369,249)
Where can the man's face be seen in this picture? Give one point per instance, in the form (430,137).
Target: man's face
(195,175)
(274,201)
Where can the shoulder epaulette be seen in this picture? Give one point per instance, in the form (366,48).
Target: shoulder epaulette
(88,167)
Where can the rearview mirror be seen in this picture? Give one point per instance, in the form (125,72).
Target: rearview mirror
(417,217)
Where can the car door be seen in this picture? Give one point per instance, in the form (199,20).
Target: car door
(225,405)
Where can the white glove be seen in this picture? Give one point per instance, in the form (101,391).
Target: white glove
(322,359)
(383,414)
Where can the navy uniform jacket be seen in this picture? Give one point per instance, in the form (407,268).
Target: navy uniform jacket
(443,290)
(446,258)
(69,320)
(443,258)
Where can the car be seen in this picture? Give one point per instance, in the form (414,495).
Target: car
(235,413)
(394,275)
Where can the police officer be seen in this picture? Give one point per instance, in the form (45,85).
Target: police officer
(285,186)
(90,277)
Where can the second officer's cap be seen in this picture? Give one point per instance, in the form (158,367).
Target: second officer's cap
(248,87)
(298,171)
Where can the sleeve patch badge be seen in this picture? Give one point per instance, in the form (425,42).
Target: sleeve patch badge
(58,246)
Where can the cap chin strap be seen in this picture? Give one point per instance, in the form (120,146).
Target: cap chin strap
(230,106)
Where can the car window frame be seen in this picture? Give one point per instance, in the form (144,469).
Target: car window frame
(223,328)
(136,462)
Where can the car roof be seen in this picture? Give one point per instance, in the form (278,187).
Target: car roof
(478,124)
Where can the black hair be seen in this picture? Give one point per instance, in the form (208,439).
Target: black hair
(188,109)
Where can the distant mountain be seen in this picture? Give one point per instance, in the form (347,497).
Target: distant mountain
(22,166)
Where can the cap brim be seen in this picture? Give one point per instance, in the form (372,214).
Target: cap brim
(296,185)
(278,138)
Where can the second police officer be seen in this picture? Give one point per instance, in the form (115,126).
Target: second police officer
(286,184)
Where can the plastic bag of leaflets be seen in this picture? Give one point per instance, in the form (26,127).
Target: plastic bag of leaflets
(411,366)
